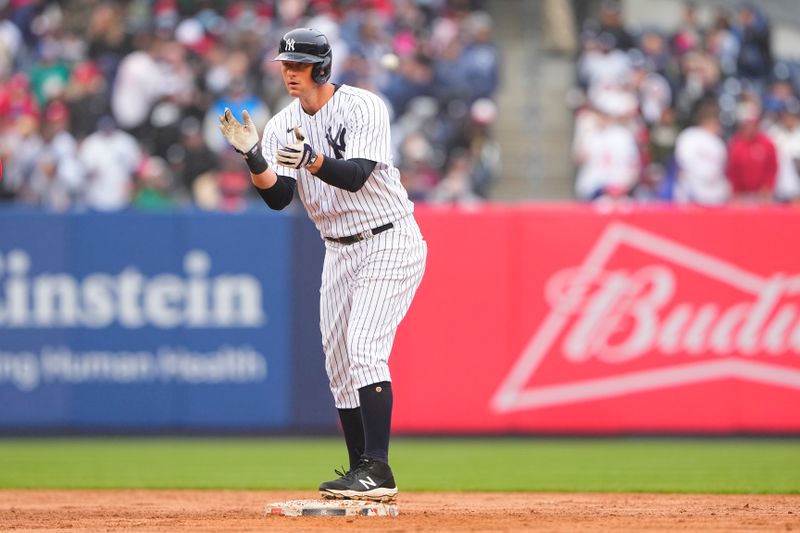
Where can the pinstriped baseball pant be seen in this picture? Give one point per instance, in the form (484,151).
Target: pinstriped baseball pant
(366,290)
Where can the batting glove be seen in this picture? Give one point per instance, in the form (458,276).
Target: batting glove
(299,154)
(244,139)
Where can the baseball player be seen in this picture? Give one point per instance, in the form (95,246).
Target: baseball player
(331,144)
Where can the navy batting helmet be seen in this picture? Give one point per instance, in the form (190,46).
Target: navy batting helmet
(307,45)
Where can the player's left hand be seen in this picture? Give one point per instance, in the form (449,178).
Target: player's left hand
(299,154)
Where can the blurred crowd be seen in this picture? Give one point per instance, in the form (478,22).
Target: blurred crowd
(111,105)
(696,113)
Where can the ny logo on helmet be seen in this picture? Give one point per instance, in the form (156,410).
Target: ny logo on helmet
(290,44)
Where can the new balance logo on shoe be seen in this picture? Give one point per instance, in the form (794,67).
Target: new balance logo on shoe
(368,483)
(370,480)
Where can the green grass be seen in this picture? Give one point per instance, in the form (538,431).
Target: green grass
(519,464)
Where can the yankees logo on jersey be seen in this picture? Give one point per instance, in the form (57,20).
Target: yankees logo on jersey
(354,123)
(336,142)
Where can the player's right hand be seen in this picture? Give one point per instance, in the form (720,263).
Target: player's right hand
(243,137)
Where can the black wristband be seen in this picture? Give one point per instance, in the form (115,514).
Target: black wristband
(255,160)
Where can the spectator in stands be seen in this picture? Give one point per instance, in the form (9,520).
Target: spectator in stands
(153,187)
(425,116)
(662,138)
(611,22)
(87,98)
(19,153)
(191,158)
(755,49)
(752,159)
(656,52)
(700,79)
(221,67)
(162,128)
(355,70)
(16,99)
(413,77)
(110,157)
(480,59)
(785,133)
(652,89)
(659,172)
(416,163)
(106,38)
(233,184)
(372,42)
(601,62)
(689,35)
(700,155)
(455,187)
(451,79)
(779,93)
(605,148)
(57,178)
(10,43)
(162,131)
(137,86)
(474,137)
(722,43)
(50,74)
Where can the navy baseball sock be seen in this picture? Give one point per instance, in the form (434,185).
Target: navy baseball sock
(353,433)
(376,413)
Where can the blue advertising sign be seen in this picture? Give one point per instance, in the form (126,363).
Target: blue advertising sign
(311,399)
(126,321)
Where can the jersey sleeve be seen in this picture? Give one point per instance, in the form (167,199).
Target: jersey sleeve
(270,143)
(368,125)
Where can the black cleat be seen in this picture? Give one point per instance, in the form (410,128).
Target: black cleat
(370,480)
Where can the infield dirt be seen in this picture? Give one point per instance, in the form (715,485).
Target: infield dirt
(177,511)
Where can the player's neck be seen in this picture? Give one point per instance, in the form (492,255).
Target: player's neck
(313,101)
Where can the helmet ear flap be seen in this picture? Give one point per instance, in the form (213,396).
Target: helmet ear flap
(322,71)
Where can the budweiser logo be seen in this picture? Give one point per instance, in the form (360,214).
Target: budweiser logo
(632,322)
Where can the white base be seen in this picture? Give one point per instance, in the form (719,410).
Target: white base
(330,508)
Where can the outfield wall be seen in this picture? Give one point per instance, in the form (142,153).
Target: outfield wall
(573,319)
(160,322)
(530,318)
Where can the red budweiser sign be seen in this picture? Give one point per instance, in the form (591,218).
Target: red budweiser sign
(653,321)
(623,316)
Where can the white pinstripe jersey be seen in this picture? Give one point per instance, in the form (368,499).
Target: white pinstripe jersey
(354,123)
